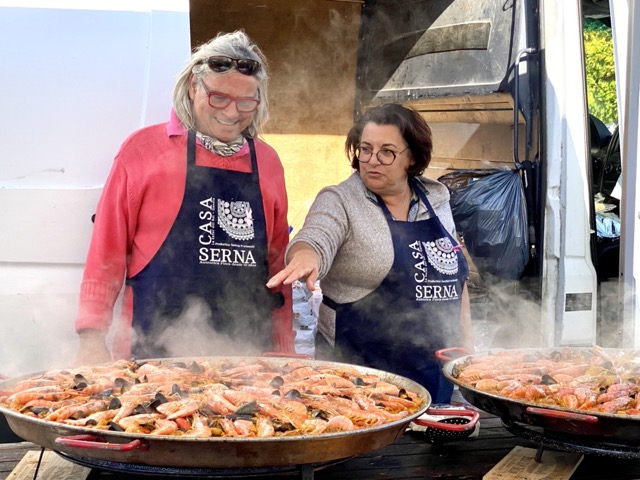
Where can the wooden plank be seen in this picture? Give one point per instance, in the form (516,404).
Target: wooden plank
(11,454)
(45,465)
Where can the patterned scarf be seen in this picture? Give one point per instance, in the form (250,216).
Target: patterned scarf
(221,148)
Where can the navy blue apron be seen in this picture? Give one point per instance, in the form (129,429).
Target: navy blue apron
(216,251)
(414,311)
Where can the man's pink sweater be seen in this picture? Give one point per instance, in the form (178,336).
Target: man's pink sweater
(139,203)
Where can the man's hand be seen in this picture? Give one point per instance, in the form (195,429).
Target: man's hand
(92,348)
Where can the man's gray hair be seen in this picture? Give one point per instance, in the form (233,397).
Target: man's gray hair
(235,45)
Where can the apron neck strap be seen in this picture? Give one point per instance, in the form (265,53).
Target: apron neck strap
(191,147)
(413,184)
(254,158)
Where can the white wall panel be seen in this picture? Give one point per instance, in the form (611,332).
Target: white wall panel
(77,78)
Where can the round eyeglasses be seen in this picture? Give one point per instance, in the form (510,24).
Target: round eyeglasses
(384,155)
(221,100)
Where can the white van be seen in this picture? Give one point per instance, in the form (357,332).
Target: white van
(77,78)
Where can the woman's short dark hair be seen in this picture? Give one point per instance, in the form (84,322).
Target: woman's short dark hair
(413,128)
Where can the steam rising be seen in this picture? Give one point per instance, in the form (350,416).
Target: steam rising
(192,334)
(502,318)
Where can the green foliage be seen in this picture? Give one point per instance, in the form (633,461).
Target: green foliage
(600,71)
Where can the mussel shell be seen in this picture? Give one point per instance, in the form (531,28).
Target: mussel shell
(293,394)
(175,390)
(79,382)
(158,400)
(115,427)
(250,409)
(321,414)
(121,383)
(39,410)
(141,409)
(277,381)
(195,368)
(282,426)
(107,392)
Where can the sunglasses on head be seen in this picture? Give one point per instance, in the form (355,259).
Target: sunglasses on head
(221,64)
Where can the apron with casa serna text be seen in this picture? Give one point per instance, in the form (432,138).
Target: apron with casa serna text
(215,254)
(414,311)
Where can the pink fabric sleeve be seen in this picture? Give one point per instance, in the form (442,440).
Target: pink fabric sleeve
(106,259)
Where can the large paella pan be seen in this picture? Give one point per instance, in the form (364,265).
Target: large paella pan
(180,381)
(586,391)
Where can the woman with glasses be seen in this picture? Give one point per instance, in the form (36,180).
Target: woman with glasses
(193,217)
(383,245)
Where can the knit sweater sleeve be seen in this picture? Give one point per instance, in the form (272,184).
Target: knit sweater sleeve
(347,230)
(138,204)
(326,227)
(106,259)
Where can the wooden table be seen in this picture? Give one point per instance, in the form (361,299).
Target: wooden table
(410,457)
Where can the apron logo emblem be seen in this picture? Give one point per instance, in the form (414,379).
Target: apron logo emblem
(439,255)
(236,219)
(442,255)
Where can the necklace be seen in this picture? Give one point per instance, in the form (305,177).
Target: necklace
(401,210)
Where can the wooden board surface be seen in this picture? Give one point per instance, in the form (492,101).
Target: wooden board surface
(47,464)
(410,457)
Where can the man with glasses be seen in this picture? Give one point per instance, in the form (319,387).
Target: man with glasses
(193,217)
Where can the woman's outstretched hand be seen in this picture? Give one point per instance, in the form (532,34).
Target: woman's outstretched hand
(303,262)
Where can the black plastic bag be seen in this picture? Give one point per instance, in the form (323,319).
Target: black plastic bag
(490,212)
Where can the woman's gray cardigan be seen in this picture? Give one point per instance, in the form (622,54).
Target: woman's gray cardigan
(349,231)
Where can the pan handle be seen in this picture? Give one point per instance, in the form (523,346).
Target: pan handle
(96,442)
(475,416)
(443,354)
(563,415)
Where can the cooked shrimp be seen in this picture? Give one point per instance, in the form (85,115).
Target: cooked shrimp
(245,428)
(314,426)
(215,402)
(617,405)
(98,420)
(82,410)
(178,408)
(239,398)
(339,424)
(264,427)
(164,427)
(49,392)
(143,423)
